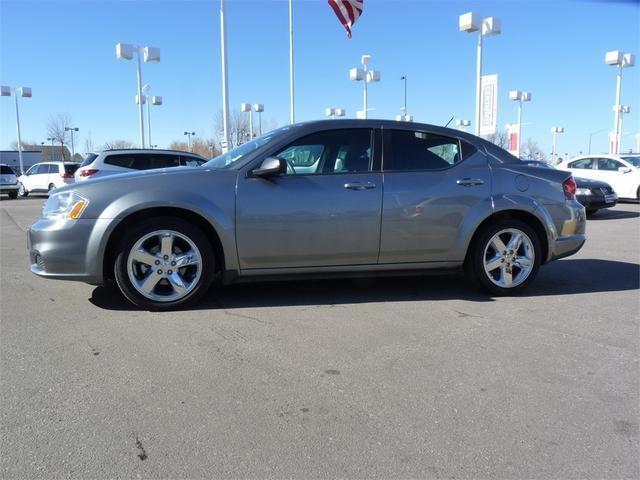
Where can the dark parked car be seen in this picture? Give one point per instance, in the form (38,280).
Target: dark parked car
(324,198)
(593,194)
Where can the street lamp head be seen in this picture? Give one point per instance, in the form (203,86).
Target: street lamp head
(526,96)
(491,26)
(151,54)
(124,51)
(245,107)
(625,109)
(137,99)
(628,60)
(515,94)
(340,112)
(329,112)
(24,92)
(470,22)
(356,74)
(156,100)
(373,76)
(364,60)
(557,130)
(5,91)
(403,77)
(145,88)
(258,107)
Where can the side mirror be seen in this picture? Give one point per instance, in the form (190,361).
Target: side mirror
(271,166)
(624,170)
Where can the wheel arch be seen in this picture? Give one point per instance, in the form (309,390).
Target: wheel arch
(207,228)
(524,216)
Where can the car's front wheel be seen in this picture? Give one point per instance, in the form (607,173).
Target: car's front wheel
(23,192)
(164,263)
(504,257)
(13,195)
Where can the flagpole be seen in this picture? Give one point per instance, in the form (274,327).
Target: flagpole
(292,113)
(225,86)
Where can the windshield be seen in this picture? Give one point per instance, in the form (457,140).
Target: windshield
(635,161)
(227,160)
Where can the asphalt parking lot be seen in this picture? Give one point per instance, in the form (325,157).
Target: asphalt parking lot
(386,378)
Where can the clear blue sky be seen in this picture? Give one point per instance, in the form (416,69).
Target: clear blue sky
(65,52)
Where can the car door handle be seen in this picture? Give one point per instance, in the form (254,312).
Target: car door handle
(469,182)
(359,186)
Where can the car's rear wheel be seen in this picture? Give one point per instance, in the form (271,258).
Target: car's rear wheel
(591,211)
(23,192)
(504,257)
(50,187)
(13,195)
(164,263)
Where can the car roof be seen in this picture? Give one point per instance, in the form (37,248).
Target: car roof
(148,150)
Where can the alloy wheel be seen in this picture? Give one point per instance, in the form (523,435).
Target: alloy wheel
(164,265)
(509,258)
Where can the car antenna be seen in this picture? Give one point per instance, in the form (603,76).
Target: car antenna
(449,122)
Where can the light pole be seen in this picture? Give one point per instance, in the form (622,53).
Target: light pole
(149,100)
(472,22)
(592,134)
(189,134)
(637,142)
(554,154)
(125,51)
(72,129)
(519,97)
(50,156)
(258,107)
(6,91)
(462,124)
(404,108)
(367,76)
(623,110)
(334,112)
(616,58)
(246,107)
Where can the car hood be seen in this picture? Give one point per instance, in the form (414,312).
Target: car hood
(589,183)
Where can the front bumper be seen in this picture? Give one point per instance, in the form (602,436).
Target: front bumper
(7,188)
(67,250)
(594,202)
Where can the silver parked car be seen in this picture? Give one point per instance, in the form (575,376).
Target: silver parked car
(331,197)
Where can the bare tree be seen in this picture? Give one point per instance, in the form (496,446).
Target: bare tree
(532,151)
(88,144)
(238,128)
(204,147)
(115,144)
(27,146)
(500,138)
(56,129)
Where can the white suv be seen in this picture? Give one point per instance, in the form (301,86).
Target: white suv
(8,181)
(45,176)
(110,162)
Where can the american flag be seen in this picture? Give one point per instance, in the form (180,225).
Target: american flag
(347,12)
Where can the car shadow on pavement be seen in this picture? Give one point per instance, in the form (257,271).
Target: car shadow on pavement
(613,215)
(558,278)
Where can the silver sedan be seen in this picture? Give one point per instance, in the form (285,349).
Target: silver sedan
(341,197)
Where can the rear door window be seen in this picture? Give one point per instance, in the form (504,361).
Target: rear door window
(418,151)
(609,164)
(191,161)
(6,170)
(585,163)
(163,161)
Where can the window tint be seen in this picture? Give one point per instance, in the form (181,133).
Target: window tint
(191,161)
(6,170)
(70,169)
(163,161)
(609,164)
(43,168)
(584,163)
(333,151)
(53,168)
(411,150)
(32,170)
(88,160)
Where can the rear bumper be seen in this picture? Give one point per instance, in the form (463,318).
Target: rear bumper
(66,250)
(572,234)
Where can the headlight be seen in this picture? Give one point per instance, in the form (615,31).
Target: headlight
(583,191)
(66,205)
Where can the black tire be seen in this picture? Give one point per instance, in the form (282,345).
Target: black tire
(475,262)
(50,187)
(23,192)
(13,195)
(179,226)
(591,211)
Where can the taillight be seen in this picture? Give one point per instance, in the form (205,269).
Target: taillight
(569,187)
(66,175)
(88,172)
